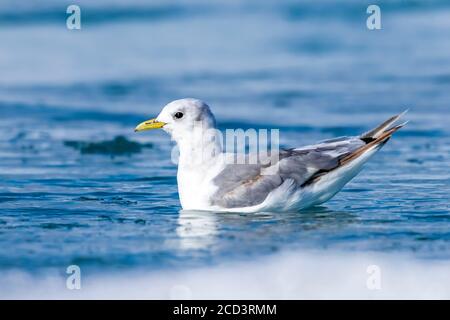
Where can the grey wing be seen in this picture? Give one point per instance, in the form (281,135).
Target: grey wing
(243,185)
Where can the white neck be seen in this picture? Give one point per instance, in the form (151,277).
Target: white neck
(198,148)
(199,154)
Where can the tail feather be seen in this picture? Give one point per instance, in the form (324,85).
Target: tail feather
(378,131)
(379,141)
(375,138)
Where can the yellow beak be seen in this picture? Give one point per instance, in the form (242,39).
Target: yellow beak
(149,125)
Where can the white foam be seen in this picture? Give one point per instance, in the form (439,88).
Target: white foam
(288,275)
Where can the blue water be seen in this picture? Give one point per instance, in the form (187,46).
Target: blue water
(78,186)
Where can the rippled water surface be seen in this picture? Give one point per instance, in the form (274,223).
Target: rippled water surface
(79,187)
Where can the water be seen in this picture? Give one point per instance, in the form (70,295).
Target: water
(79,187)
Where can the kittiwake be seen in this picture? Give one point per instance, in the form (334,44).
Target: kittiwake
(290,180)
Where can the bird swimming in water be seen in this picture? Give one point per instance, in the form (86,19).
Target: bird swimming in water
(286,181)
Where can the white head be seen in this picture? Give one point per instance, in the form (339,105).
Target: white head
(181,117)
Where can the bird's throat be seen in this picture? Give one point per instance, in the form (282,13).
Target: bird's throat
(199,153)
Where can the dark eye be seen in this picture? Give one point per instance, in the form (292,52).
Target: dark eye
(178,115)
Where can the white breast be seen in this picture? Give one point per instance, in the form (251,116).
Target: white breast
(195,186)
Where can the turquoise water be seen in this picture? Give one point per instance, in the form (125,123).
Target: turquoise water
(78,186)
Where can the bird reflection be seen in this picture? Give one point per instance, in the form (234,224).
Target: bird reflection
(196,229)
(202,229)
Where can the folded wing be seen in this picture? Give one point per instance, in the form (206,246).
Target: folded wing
(242,185)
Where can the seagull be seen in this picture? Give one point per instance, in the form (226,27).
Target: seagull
(289,180)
